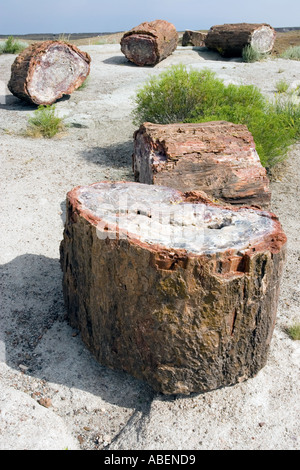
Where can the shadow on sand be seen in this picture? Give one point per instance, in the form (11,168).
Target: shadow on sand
(203,52)
(12,103)
(117,155)
(36,334)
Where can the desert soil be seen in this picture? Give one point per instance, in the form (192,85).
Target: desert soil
(53,394)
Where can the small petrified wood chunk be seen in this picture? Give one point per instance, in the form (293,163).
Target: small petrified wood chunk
(46,71)
(230,39)
(216,157)
(173,289)
(149,42)
(193,38)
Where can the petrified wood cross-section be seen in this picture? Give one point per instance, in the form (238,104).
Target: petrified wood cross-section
(173,289)
(230,39)
(46,71)
(216,157)
(149,42)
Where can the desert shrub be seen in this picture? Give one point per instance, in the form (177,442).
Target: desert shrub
(174,95)
(292,52)
(12,46)
(250,54)
(281,86)
(44,122)
(179,95)
(294,331)
(273,133)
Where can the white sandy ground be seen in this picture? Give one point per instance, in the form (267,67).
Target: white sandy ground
(41,356)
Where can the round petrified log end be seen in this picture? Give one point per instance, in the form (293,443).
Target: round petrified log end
(170,287)
(140,49)
(44,72)
(149,42)
(263,39)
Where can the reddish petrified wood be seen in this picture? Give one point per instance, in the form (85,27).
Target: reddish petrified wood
(170,287)
(216,157)
(230,39)
(46,71)
(193,38)
(149,42)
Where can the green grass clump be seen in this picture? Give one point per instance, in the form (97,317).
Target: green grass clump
(64,38)
(292,52)
(44,123)
(250,54)
(294,331)
(12,46)
(281,86)
(179,95)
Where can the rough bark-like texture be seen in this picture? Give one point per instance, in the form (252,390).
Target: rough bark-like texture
(216,157)
(193,38)
(46,71)
(186,313)
(149,43)
(230,39)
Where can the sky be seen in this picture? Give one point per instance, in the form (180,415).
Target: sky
(89,16)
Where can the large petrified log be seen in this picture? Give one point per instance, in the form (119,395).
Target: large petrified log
(216,157)
(193,38)
(170,287)
(46,71)
(149,42)
(230,39)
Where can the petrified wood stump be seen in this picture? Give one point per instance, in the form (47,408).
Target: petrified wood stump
(174,289)
(149,43)
(216,157)
(230,39)
(46,71)
(193,38)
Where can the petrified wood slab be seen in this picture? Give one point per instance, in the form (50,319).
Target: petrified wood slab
(170,287)
(216,157)
(230,39)
(46,71)
(193,38)
(149,42)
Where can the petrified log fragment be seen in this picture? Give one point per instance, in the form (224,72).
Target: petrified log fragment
(170,287)
(46,71)
(230,39)
(193,38)
(216,157)
(149,43)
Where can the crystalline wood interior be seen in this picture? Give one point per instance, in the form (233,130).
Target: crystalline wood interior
(44,72)
(170,287)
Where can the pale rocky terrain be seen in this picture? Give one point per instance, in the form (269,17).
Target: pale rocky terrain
(53,394)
